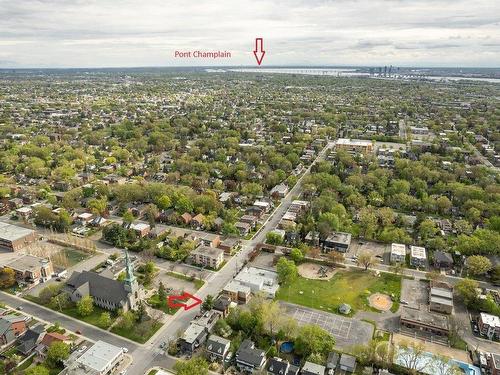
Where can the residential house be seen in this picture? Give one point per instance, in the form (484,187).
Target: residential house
(198,222)
(243,228)
(398,253)
(208,239)
(489,326)
(339,241)
(443,260)
(208,256)
(418,257)
(237,292)
(494,363)
(217,348)
(332,362)
(249,219)
(279,191)
(347,364)
(311,368)
(29,341)
(48,339)
(256,211)
(222,304)
(249,358)
(17,323)
(186,218)
(7,334)
(140,229)
(194,336)
(278,366)
(229,244)
(264,206)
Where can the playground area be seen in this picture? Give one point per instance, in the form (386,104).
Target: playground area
(316,271)
(379,301)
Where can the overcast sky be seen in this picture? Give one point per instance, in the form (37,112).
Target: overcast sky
(109,33)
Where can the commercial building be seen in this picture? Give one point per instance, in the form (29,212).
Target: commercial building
(418,257)
(259,280)
(494,363)
(31,269)
(398,253)
(489,326)
(354,146)
(208,256)
(102,358)
(14,238)
(424,322)
(441,300)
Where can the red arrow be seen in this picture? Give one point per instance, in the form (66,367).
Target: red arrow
(183,297)
(259,50)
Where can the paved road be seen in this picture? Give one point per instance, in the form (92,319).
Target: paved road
(147,356)
(69,323)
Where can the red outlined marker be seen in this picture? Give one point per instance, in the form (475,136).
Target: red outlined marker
(183,297)
(259,50)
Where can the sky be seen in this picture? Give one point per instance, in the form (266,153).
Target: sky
(128,33)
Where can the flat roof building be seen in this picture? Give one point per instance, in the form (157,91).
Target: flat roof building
(208,256)
(398,253)
(354,146)
(418,256)
(421,320)
(100,359)
(14,238)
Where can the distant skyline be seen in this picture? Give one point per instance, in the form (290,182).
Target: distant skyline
(130,33)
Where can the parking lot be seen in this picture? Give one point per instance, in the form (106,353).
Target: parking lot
(414,293)
(346,331)
(336,325)
(379,250)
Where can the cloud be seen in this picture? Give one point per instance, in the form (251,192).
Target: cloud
(81,33)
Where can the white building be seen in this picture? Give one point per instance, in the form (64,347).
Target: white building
(100,359)
(259,280)
(418,257)
(398,253)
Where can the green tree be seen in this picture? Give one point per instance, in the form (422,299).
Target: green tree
(7,278)
(366,260)
(287,270)
(208,303)
(193,366)
(37,370)
(296,255)
(313,339)
(58,351)
(478,265)
(274,238)
(467,290)
(104,319)
(85,306)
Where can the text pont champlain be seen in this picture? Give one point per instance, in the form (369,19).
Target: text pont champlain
(202,54)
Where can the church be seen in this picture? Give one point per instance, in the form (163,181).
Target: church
(106,292)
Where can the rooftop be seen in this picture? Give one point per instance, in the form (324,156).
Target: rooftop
(425,317)
(11,232)
(418,252)
(27,263)
(208,251)
(398,249)
(99,356)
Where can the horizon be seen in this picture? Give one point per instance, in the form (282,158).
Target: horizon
(84,34)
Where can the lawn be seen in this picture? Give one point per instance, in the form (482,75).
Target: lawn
(134,335)
(154,301)
(352,287)
(197,282)
(68,257)
(73,312)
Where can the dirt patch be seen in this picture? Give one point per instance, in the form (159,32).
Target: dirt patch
(316,271)
(380,301)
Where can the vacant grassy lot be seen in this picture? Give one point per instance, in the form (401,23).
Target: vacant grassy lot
(352,287)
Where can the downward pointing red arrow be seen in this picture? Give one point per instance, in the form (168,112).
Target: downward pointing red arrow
(183,297)
(259,50)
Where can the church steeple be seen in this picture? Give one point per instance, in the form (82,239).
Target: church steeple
(130,279)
